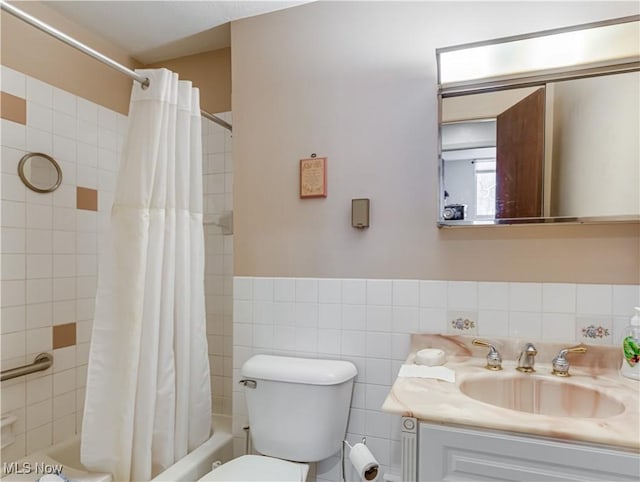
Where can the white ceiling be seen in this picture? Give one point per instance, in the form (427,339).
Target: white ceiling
(152,31)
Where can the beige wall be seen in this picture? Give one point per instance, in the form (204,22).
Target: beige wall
(211,72)
(32,52)
(357,82)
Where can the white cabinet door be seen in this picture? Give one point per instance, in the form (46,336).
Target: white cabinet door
(461,454)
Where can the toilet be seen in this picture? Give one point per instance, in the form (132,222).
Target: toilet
(298,410)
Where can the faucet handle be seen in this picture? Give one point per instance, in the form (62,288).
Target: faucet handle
(560,363)
(494,360)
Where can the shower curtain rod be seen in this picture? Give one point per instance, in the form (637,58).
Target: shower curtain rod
(48,29)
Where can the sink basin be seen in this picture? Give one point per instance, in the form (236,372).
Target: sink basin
(544,396)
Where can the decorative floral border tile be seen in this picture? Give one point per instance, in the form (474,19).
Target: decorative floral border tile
(459,322)
(594,330)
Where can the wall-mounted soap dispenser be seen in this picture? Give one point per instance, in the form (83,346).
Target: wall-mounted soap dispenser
(360,213)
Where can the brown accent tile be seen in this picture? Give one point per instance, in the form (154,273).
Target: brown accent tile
(13,108)
(64,335)
(86,199)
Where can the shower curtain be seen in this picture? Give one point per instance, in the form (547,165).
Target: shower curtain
(148,394)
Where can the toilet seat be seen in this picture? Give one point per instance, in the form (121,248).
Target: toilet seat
(258,468)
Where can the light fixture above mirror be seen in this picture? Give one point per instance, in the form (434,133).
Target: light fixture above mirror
(541,128)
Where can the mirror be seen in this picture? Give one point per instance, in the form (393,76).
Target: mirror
(40,172)
(543,144)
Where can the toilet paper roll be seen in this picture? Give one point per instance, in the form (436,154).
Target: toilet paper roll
(430,357)
(364,462)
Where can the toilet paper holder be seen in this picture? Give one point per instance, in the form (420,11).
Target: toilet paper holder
(370,472)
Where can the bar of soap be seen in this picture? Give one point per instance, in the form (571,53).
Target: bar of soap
(430,357)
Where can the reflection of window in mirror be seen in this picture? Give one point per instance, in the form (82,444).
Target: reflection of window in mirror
(485,188)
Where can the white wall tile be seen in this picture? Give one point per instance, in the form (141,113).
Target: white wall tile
(329,341)
(379,318)
(594,299)
(406,293)
(306,290)
(64,125)
(493,296)
(263,289)
(306,314)
(39,266)
(263,312)
(354,291)
(64,102)
(39,117)
(64,312)
(39,216)
(39,414)
(433,320)
(64,149)
(39,340)
(405,319)
(13,292)
(354,317)
(39,315)
(14,135)
(12,319)
(13,214)
(525,325)
(306,339)
(558,327)
(13,266)
(39,389)
(525,297)
(13,240)
(14,82)
(39,92)
(284,313)
(625,298)
(353,343)
(462,295)
(13,345)
(38,140)
(87,154)
(379,292)
(329,291)
(329,316)
(493,323)
(559,297)
(378,345)
(284,289)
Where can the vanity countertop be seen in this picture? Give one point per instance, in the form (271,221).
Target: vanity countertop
(439,401)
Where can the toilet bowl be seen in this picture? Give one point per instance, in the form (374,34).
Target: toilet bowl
(298,410)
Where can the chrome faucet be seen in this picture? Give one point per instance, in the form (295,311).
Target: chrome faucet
(527,359)
(560,364)
(494,360)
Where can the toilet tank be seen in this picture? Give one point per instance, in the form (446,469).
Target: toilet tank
(298,407)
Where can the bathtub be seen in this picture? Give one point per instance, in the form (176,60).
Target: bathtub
(219,447)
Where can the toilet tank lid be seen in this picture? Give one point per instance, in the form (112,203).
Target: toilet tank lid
(309,371)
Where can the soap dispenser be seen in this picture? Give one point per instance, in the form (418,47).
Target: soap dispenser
(631,348)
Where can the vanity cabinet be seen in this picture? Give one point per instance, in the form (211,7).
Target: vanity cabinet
(454,453)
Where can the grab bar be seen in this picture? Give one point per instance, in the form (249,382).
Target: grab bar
(41,362)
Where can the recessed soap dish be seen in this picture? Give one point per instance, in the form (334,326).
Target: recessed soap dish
(8,437)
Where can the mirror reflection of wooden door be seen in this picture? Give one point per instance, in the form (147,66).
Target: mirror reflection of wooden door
(520,158)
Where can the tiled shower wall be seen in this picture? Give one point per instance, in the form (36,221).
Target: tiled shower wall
(218,203)
(49,252)
(369,321)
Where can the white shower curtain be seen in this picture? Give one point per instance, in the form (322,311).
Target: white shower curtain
(148,394)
